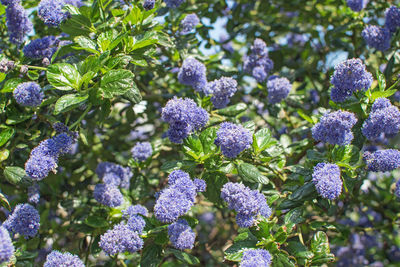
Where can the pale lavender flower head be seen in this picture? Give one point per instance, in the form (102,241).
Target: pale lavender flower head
(142,151)
(233,139)
(120,239)
(278,89)
(181,235)
(108,194)
(256,257)
(392,21)
(24,220)
(327,181)
(193,73)
(6,246)
(377,37)
(221,91)
(18,23)
(58,259)
(28,94)
(189,23)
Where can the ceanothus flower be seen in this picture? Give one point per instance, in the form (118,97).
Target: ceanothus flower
(278,89)
(41,48)
(377,37)
(10,2)
(221,91)
(233,139)
(120,239)
(58,259)
(60,127)
(181,235)
(114,174)
(258,64)
(350,76)
(392,21)
(18,23)
(24,220)
(383,119)
(255,258)
(327,181)
(50,11)
(357,5)
(246,202)
(397,189)
(6,246)
(314,96)
(108,194)
(135,209)
(193,73)
(142,151)
(335,128)
(176,175)
(28,94)
(148,4)
(173,3)
(184,117)
(382,160)
(189,23)
(200,185)
(33,193)
(134,215)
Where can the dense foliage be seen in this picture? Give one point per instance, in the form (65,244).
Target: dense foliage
(199,132)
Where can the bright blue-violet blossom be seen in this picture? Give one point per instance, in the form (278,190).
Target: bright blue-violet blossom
(120,239)
(58,259)
(177,199)
(221,91)
(41,48)
(278,89)
(397,189)
(24,220)
(193,73)
(114,174)
(173,3)
(142,151)
(382,160)
(181,235)
(184,117)
(350,76)
(33,193)
(108,194)
(6,246)
(392,21)
(377,37)
(327,181)
(258,64)
(189,23)
(50,11)
(335,128)
(233,139)
(134,216)
(357,5)
(246,202)
(383,119)
(18,23)
(256,258)
(28,94)
(149,4)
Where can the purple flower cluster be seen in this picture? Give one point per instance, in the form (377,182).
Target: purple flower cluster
(350,76)
(6,246)
(181,235)
(377,37)
(327,181)
(335,128)
(246,202)
(28,94)
(44,158)
(134,216)
(397,189)
(392,20)
(18,23)
(177,199)
(173,3)
(58,259)
(142,151)
(258,64)
(50,11)
(24,220)
(382,160)
(193,73)
(357,5)
(149,4)
(233,139)
(33,193)
(256,257)
(114,174)
(42,48)
(221,91)
(383,119)
(189,23)
(278,89)
(120,239)
(108,194)
(184,117)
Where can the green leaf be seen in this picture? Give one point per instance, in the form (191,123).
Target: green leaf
(183,256)
(262,140)
(4,202)
(377,94)
(242,242)
(305,116)
(282,260)
(320,243)
(381,80)
(294,216)
(207,138)
(250,173)
(133,94)
(304,192)
(68,102)
(10,85)
(233,110)
(63,76)
(215,181)
(17,176)
(116,82)
(151,256)
(5,135)
(96,221)
(86,44)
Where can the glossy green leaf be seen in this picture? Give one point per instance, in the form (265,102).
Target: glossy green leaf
(68,102)
(63,76)
(250,173)
(5,135)
(116,82)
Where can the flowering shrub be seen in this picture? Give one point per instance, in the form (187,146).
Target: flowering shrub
(201,133)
